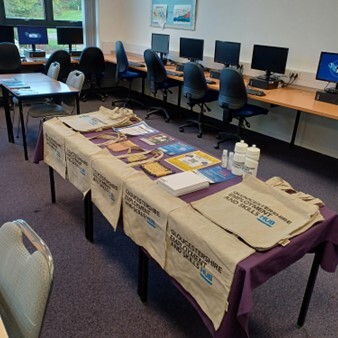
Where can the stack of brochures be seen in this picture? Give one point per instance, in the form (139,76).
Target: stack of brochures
(182,183)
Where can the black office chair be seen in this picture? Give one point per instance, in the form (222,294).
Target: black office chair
(123,73)
(234,101)
(157,76)
(10,61)
(92,64)
(195,89)
(63,58)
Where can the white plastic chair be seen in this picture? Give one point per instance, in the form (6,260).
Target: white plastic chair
(25,279)
(75,79)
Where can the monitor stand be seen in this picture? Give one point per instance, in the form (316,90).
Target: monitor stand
(332,90)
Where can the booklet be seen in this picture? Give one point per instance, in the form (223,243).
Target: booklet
(215,174)
(157,139)
(140,128)
(194,160)
(176,148)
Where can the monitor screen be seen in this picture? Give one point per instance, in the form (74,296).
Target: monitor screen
(270,59)
(160,43)
(191,49)
(6,34)
(227,53)
(328,67)
(69,35)
(32,35)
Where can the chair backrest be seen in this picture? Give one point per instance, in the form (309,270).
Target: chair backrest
(156,72)
(25,279)
(232,92)
(194,83)
(92,61)
(54,70)
(121,58)
(10,61)
(63,58)
(75,79)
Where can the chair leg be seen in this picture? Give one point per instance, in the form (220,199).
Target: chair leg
(154,110)
(198,122)
(129,99)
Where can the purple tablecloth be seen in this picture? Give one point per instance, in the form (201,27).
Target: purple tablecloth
(259,267)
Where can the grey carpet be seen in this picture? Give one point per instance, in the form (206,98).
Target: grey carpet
(94,293)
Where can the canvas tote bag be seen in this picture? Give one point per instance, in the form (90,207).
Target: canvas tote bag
(104,118)
(203,257)
(78,157)
(145,214)
(261,215)
(108,175)
(54,152)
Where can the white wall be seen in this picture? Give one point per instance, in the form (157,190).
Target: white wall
(307,27)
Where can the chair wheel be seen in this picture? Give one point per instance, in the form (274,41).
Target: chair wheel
(199,135)
(84,99)
(216,146)
(181,129)
(103,99)
(218,137)
(166,120)
(113,104)
(147,117)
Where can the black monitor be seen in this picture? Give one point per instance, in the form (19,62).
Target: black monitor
(160,44)
(69,36)
(7,34)
(227,53)
(270,59)
(32,36)
(191,49)
(328,69)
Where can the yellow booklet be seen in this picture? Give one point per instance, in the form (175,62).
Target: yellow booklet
(194,160)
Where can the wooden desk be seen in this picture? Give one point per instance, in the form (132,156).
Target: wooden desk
(41,86)
(301,99)
(3,332)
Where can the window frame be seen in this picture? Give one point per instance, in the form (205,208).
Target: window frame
(48,22)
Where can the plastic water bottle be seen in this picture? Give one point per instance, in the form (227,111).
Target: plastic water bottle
(251,161)
(224,163)
(239,158)
(230,160)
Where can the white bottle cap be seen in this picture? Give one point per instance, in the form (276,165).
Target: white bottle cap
(241,147)
(253,152)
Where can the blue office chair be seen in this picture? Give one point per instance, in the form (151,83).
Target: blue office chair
(159,81)
(234,101)
(195,89)
(10,61)
(63,58)
(92,64)
(123,73)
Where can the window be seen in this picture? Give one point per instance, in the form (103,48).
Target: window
(41,13)
(47,13)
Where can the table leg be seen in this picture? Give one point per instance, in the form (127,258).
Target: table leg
(143,261)
(295,127)
(77,103)
(52,184)
(309,288)
(143,85)
(88,208)
(8,115)
(23,131)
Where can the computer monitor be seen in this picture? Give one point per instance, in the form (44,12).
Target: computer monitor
(32,36)
(69,36)
(328,69)
(227,53)
(191,49)
(160,44)
(6,34)
(270,59)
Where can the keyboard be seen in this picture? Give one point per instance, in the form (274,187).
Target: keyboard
(255,92)
(211,82)
(136,64)
(173,73)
